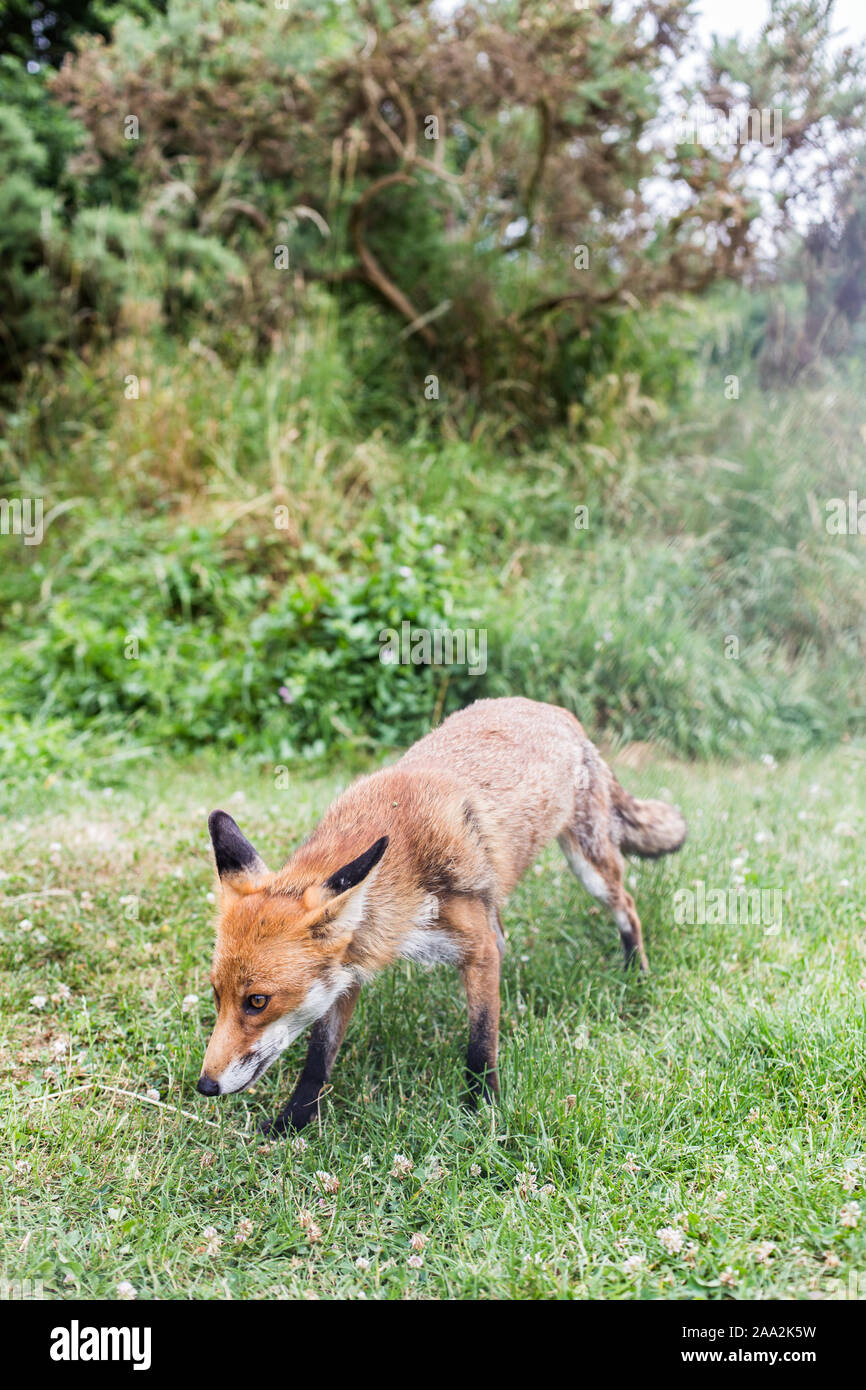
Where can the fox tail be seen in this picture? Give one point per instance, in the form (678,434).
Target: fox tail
(647,828)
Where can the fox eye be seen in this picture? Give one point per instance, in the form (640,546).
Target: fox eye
(257,1002)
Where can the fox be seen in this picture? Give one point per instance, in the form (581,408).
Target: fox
(415,861)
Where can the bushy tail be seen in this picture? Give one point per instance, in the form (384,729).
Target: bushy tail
(647,828)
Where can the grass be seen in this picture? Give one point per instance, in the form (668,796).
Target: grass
(705,526)
(722,1098)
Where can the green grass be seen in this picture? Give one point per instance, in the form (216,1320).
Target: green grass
(723,1097)
(706,523)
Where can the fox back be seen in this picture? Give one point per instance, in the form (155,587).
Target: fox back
(416,861)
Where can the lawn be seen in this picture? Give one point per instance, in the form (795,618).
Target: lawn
(697,1134)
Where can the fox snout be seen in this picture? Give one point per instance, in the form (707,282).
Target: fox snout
(226,1069)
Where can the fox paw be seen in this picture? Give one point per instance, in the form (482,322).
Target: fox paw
(294,1117)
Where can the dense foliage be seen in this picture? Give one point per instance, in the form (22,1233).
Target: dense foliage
(254,463)
(480,188)
(166,607)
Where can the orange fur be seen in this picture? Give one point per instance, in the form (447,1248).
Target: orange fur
(465,812)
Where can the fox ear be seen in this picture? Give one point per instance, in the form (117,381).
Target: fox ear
(344,915)
(235,857)
(355,872)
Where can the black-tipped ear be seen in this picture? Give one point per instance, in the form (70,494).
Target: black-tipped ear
(354,873)
(233,853)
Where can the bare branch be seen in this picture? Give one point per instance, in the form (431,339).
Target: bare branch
(545,132)
(373,272)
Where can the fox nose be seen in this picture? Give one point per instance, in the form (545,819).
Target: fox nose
(208,1086)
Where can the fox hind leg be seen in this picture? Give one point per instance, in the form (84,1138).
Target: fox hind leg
(600,870)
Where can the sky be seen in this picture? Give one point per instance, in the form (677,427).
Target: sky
(746,17)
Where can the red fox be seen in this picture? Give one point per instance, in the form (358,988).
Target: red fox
(415,861)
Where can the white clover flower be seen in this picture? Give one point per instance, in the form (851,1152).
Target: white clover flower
(763,1252)
(671,1238)
(213,1238)
(850,1214)
(526,1183)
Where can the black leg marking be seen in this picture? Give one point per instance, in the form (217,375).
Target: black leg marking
(326,1035)
(481,1072)
(303,1105)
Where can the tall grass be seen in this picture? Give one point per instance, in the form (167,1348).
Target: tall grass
(243,526)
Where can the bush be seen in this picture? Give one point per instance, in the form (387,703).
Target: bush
(704,523)
(205,651)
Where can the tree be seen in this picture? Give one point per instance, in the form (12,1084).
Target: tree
(504,179)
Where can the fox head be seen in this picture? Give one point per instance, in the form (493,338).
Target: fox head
(279,959)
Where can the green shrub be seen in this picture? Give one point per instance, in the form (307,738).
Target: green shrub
(201,650)
(705,523)
(616,640)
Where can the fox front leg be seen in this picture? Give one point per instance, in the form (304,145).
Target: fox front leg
(481,972)
(326,1036)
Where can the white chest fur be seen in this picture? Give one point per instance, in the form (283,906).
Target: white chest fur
(427,943)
